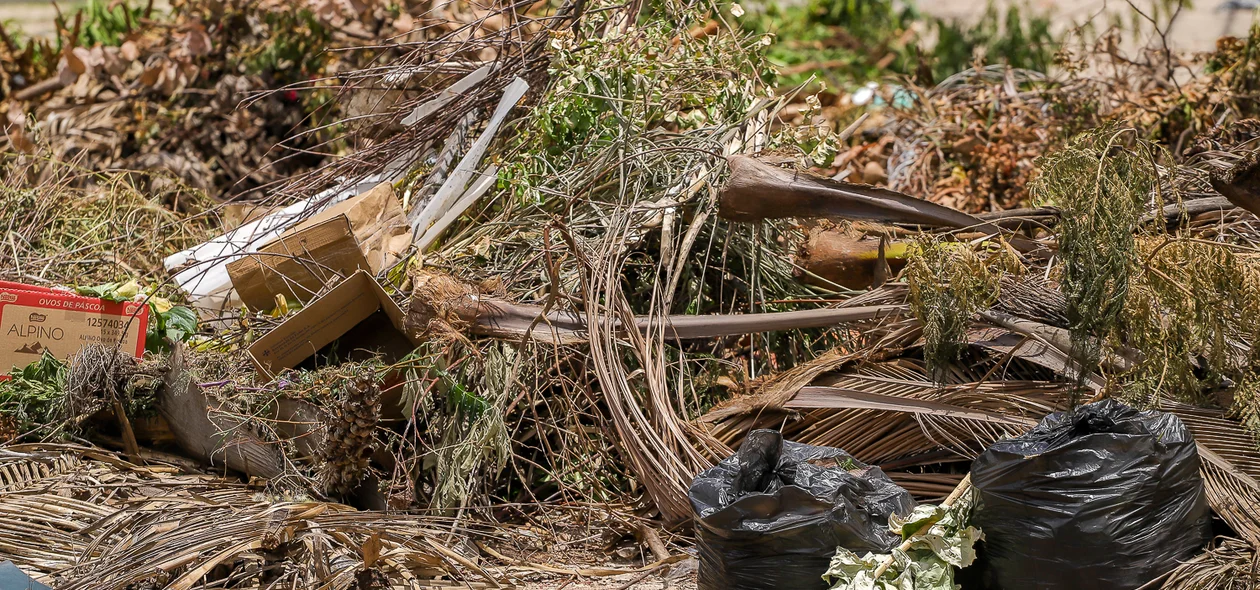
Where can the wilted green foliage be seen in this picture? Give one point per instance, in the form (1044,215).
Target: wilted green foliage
(467,436)
(1188,311)
(608,92)
(1195,316)
(949,283)
(33,396)
(1100,181)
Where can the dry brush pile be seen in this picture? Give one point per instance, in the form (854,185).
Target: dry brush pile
(617,271)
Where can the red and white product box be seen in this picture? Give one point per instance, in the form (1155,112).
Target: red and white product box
(37,319)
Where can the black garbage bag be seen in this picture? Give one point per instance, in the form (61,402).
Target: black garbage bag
(772,515)
(1103,497)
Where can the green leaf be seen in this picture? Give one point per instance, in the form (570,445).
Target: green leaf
(177,324)
(183,319)
(98,291)
(923,515)
(121,291)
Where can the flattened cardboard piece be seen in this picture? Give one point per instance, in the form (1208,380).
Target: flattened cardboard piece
(379,223)
(326,320)
(42,319)
(298,264)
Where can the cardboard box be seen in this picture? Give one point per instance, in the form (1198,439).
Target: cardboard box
(299,264)
(369,231)
(379,222)
(34,319)
(357,315)
(11,286)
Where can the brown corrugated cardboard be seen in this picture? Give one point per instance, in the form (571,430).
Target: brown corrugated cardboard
(299,264)
(379,224)
(313,253)
(330,318)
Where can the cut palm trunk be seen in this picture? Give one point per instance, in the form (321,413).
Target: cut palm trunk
(833,257)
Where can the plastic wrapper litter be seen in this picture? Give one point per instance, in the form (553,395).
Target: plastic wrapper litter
(772,515)
(1103,497)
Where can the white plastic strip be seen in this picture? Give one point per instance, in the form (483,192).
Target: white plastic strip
(470,196)
(422,111)
(454,186)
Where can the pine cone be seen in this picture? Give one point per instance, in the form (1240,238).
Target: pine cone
(349,443)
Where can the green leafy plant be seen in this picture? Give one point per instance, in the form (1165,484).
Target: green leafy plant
(849,42)
(108,23)
(102,22)
(1012,39)
(1100,181)
(33,396)
(176,324)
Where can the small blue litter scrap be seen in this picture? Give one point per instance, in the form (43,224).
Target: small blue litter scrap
(12,578)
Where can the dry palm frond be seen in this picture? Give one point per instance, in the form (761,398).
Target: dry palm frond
(1033,298)
(927,487)
(205,428)
(892,411)
(103,523)
(1231,466)
(1231,565)
(440,307)
(927,421)
(734,417)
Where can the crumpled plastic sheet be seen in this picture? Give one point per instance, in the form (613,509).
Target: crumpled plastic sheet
(773,514)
